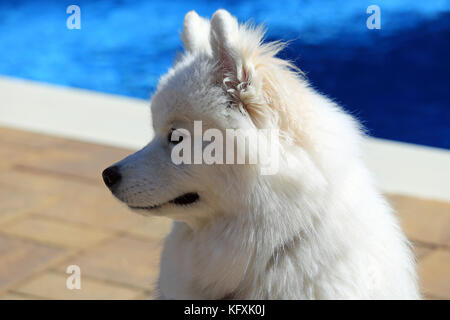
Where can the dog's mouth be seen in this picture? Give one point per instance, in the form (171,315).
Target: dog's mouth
(183,200)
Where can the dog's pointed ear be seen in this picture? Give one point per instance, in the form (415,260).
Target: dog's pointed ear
(196,31)
(224,35)
(235,50)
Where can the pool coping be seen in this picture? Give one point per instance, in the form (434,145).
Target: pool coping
(119,121)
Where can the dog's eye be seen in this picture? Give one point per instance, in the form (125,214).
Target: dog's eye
(174,137)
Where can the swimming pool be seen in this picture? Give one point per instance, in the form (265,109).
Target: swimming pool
(396,80)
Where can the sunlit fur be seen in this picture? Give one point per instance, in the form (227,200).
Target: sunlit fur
(317,229)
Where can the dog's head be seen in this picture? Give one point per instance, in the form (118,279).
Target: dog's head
(227,79)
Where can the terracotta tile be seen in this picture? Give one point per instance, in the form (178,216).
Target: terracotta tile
(85,201)
(147,296)
(36,185)
(10,155)
(429,297)
(123,260)
(23,193)
(95,207)
(50,231)
(16,201)
(425,221)
(56,155)
(96,159)
(20,259)
(21,146)
(59,154)
(28,139)
(15,296)
(421,251)
(153,228)
(65,199)
(75,158)
(53,286)
(434,273)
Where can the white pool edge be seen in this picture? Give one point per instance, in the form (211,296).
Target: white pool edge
(125,122)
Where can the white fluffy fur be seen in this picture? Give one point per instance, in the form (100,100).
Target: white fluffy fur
(318,229)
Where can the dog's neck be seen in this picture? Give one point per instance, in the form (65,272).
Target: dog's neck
(230,251)
(234,250)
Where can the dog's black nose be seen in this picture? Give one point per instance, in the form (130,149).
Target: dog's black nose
(111,176)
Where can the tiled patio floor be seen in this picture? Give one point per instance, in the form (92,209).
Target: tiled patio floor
(55,212)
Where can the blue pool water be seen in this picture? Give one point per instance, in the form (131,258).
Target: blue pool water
(396,80)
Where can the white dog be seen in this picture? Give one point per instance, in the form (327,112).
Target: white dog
(317,229)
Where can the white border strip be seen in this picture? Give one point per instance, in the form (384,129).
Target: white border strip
(124,122)
(409,169)
(74,113)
